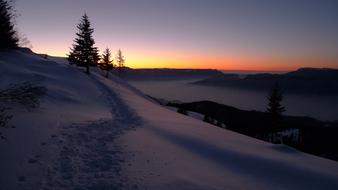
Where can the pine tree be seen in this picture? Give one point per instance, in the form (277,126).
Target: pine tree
(120,60)
(275,107)
(106,62)
(83,53)
(8,36)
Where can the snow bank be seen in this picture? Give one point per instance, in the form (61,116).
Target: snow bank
(72,98)
(173,151)
(98,133)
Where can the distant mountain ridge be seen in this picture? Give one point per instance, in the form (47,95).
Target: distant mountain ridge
(303,80)
(169,74)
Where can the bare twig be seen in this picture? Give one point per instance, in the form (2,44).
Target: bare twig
(25,94)
(4,118)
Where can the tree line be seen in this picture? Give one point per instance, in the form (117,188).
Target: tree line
(84,53)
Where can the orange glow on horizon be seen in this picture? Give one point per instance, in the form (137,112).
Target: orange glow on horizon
(236,62)
(264,63)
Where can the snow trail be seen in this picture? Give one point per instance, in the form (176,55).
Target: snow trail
(93,133)
(89,157)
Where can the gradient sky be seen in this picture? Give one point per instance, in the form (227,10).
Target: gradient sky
(221,34)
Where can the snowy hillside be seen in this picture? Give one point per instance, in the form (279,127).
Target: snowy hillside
(96,133)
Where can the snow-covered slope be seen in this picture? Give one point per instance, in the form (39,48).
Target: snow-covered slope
(98,133)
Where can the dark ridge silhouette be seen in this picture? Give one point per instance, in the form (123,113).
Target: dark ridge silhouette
(311,136)
(304,80)
(169,74)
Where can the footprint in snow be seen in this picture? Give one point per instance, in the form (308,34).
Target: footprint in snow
(21,178)
(32,161)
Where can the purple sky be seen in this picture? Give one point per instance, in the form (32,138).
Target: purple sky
(150,31)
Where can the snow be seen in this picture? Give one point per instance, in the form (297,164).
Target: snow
(178,152)
(98,133)
(72,98)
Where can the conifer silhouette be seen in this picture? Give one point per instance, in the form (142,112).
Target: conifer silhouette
(84,53)
(106,62)
(8,35)
(120,60)
(275,107)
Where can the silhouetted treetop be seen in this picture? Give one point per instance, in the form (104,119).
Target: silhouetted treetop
(8,35)
(83,52)
(120,60)
(106,62)
(275,98)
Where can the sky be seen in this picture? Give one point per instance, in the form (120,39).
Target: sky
(275,35)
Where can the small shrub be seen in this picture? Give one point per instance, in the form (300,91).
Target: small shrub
(182,111)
